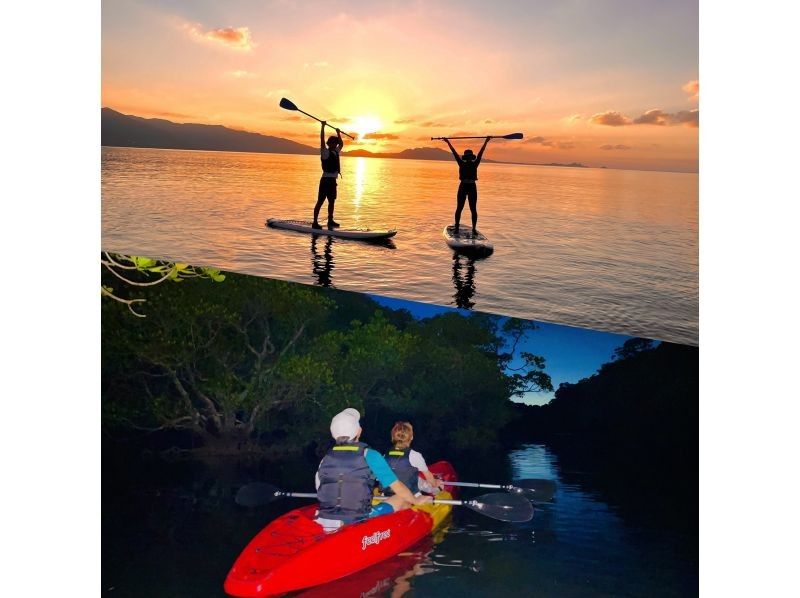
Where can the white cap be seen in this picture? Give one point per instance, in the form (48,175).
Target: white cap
(346,423)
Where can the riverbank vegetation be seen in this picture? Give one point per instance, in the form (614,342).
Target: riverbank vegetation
(261,365)
(633,424)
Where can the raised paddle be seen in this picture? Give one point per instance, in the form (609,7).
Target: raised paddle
(497,505)
(289,105)
(509,136)
(539,490)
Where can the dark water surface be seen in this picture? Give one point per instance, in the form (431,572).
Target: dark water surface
(172,529)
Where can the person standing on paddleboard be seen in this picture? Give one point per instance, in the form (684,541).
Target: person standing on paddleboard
(347,475)
(467,188)
(330,172)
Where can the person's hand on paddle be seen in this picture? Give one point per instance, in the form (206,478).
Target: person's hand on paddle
(423,500)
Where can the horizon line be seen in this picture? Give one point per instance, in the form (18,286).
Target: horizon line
(375,154)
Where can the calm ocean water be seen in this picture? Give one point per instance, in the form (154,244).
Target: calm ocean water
(611,250)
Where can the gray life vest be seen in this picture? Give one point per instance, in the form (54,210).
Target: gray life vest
(345,483)
(401,465)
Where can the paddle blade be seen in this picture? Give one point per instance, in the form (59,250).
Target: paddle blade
(513,136)
(288,104)
(534,489)
(256,494)
(505,507)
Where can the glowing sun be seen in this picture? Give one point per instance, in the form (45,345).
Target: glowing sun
(363,125)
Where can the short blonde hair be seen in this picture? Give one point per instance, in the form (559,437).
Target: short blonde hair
(402,435)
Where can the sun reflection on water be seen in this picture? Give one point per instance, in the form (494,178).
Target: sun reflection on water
(361,172)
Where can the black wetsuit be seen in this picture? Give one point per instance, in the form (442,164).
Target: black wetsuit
(327,184)
(467,188)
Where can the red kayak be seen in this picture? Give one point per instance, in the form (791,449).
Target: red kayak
(294,552)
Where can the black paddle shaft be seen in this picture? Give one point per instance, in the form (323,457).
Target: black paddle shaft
(289,105)
(509,136)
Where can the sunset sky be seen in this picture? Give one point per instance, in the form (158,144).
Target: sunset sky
(606,83)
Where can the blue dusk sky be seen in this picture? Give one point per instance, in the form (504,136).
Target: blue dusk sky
(571,354)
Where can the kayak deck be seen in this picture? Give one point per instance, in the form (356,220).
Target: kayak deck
(294,552)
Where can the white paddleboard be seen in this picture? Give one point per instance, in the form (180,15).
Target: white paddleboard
(465,240)
(304,226)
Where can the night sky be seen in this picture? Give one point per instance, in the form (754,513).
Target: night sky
(570,353)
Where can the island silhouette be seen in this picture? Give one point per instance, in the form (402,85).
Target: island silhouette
(126,130)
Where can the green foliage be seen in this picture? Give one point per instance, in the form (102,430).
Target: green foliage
(269,361)
(135,271)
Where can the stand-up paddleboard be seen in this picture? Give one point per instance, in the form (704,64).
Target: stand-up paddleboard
(304,226)
(465,240)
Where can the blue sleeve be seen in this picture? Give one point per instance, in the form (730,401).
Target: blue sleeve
(379,466)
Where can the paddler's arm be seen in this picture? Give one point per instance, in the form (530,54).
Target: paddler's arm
(417,460)
(452,149)
(341,141)
(388,479)
(480,153)
(401,490)
(431,479)
(322,137)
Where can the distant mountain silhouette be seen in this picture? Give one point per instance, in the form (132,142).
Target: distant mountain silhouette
(417,153)
(133,131)
(124,130)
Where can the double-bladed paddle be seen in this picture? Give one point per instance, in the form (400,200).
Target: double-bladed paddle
(513,508)
(509,136)
(289,105)
(539,490)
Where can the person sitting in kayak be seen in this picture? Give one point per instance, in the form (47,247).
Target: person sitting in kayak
(347,475)
(330,172)
(407,463)
(467,188)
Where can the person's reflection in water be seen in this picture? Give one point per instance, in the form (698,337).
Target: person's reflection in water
(464,280)
(322,264)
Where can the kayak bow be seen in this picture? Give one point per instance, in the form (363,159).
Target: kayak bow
(294,552)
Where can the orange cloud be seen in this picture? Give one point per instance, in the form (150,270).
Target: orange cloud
(380,136)
(693,89)
(690,118)
(619,146)
(539,140)
(656,116)
(610,118)
(235,38)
